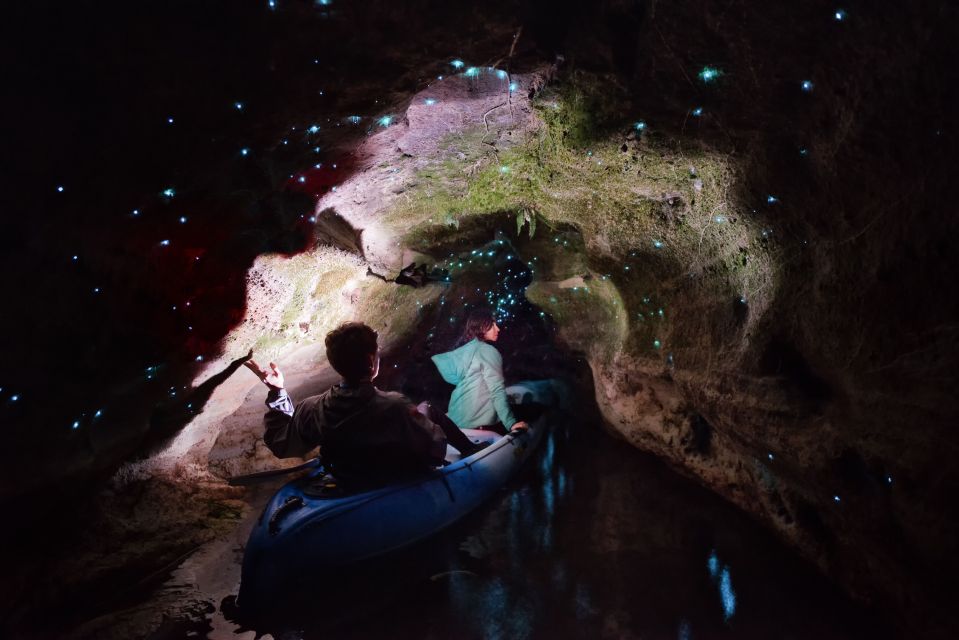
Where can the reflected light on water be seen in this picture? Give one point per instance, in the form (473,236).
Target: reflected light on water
(727,594)
(724,582)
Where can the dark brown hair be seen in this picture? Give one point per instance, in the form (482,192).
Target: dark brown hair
(478,322)
(349,347)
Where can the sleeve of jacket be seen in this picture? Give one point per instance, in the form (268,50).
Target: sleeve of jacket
(493,376)
(426,439)
(290,432)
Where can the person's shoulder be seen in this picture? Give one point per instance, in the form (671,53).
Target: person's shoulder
(487,350)
(392,398)
(395,408)
(312,401)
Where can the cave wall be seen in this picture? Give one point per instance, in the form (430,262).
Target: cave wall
(758,276)
(778,333)
(826,410)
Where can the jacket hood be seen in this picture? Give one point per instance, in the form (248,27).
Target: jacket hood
(454,364)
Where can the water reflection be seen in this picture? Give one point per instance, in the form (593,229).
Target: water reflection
(724,582)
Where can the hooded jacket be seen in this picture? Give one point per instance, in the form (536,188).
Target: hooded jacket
(364,433)
(479,398)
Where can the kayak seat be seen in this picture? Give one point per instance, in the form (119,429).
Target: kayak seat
(323,486)
(476,436)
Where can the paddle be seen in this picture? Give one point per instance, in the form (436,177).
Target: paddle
(253,478)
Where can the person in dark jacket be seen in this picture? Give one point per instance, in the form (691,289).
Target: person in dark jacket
(366,435)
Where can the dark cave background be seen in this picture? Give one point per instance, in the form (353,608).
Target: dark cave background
(869,209)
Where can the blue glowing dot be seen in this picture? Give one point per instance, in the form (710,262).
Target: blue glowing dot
(313,129)
(301,179)
(182,219)
(712,563)
(513,86)
(199,358)
(168,193)
(840,15)
(657,344)
(76,424)
(698,111)
(136,212)
(75,258)
(807,85)
(98,413)
(316,149)
(770,456)
(457,64)
(284,141)
(353,119)
(60,189)
(244,151)
(271,4)
(658,244)
(888,479)
(504,169)
(169,120)
(14,398)
(727,594)
(472,72)
(639,126)
(96,289)
(164,243)
(804,151)
(238,106)
(429,102)
(835,498)
(385,121)
(771,199)
(500,74)
(708,74)
(719,219)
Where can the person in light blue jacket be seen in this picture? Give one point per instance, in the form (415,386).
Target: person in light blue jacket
(476,368)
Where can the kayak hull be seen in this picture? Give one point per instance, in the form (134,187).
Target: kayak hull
(301,531)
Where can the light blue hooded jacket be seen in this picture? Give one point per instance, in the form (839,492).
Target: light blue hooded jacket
(479,398)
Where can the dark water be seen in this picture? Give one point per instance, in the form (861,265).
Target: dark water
(593,539)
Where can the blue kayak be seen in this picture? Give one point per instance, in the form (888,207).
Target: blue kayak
(311,523)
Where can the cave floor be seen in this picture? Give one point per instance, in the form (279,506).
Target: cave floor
(593,539)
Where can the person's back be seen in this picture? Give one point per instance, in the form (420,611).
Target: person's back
(476,368)
(365,435)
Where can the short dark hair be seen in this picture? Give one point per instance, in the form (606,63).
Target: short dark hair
(478,323)
(348,348)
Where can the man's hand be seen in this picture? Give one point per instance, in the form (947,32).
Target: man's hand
(272,378)
(519,426)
